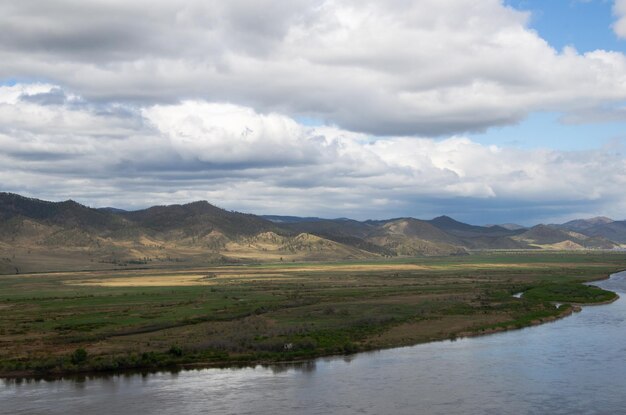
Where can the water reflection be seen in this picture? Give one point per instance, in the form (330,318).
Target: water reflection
(574,365)
(303,367)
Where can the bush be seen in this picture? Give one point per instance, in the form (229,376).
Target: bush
(175,351)
(149,358)
(79,356)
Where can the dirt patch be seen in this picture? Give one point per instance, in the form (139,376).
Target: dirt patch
(359,267)
(216,275)
(147,281)
(176,280)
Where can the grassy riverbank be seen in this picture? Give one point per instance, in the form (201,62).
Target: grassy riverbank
(570,293)
(89,321)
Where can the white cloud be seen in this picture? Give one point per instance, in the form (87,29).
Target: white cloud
(395,67)
(228,134)
(269,163)
(619,10)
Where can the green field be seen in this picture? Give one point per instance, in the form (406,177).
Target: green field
(143,319)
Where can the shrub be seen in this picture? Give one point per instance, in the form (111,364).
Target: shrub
(79,356)
(175,351)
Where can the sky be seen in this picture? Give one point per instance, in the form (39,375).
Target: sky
(491,112)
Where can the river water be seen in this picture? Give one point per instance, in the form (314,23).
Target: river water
(576,365)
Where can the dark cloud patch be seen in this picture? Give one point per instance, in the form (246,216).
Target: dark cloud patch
(502,210)
(56,96)
(40,156)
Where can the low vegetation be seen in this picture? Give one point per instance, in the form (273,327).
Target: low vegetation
(570,293)
(59,323)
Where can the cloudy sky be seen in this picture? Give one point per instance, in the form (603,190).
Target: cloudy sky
(490,111)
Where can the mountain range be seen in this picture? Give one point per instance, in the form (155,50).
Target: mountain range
(37,235)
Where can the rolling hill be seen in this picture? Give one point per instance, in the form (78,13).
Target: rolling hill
(582,225)
(545,236)
(37,235)
(599,227)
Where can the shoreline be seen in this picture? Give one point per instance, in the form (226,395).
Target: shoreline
(238,364)
(29,375)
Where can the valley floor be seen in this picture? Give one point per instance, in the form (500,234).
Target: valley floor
(57,323)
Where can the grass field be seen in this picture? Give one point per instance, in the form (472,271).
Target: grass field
(111,320)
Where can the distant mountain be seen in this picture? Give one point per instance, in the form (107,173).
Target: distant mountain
(68,213)
(582,225)
(345,231)
(411,237)
(37,235)
(614,231)
(544,235)
(332,227)
(461,229)
(508,226)
(556,237)
(290,219)
(112,210)
(198,218)
(480,237)
(598,227)
(415,228)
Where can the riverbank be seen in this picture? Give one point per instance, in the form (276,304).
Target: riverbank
(268,319)
(252,361)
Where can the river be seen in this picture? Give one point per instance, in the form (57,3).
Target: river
(573,365)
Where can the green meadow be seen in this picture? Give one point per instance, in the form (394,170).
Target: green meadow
(58,323)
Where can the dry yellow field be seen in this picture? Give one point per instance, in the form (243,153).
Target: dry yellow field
(176,280)
(222,274)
